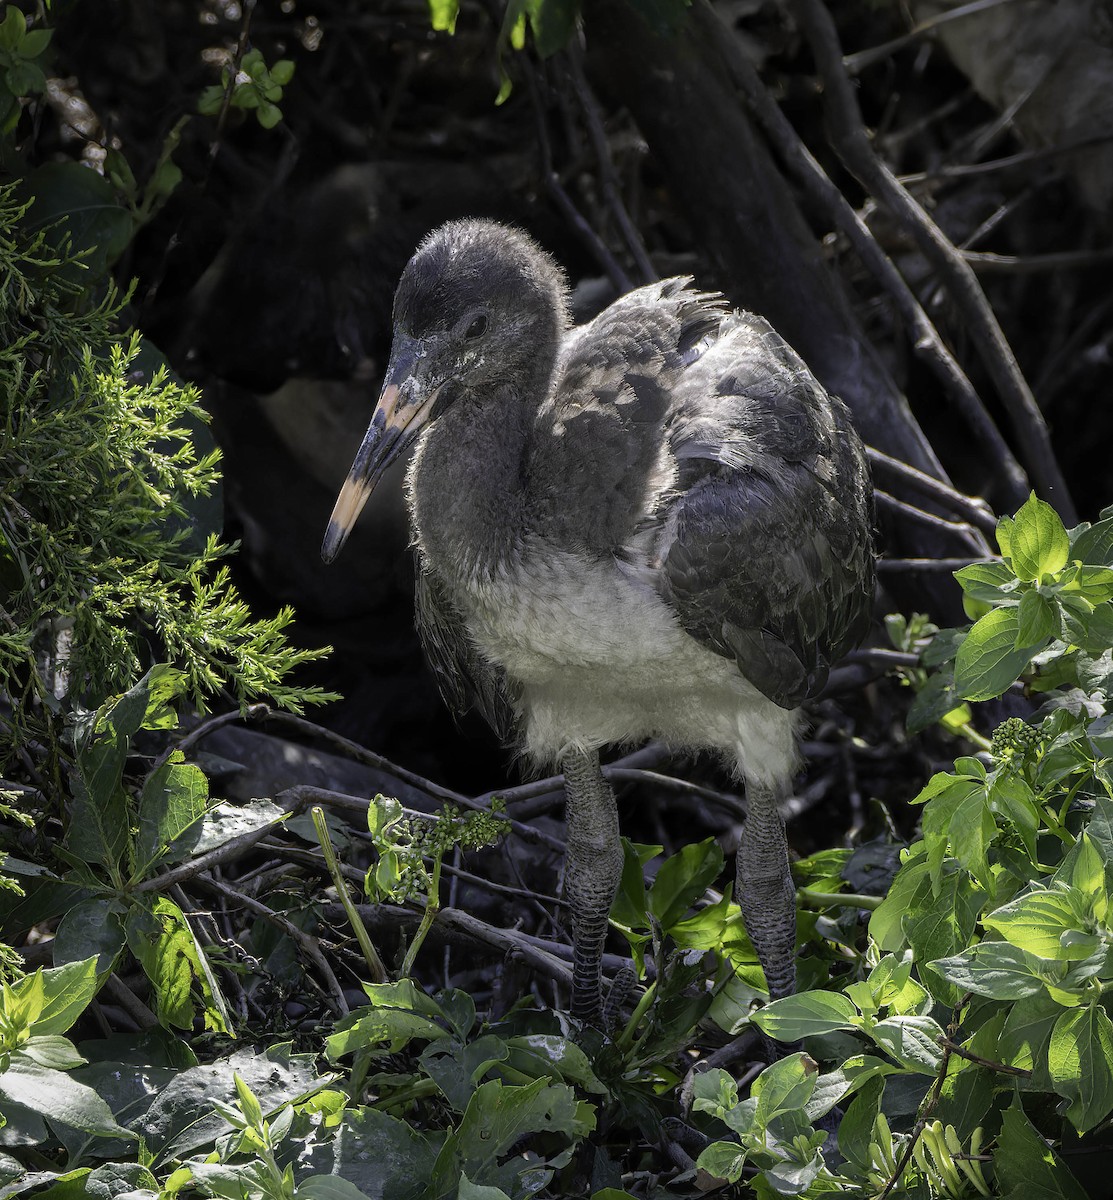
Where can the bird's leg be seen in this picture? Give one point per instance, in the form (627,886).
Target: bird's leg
(593,866)
(765,891)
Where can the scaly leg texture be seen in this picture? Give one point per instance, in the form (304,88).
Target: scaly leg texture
(765,891)
(592,869)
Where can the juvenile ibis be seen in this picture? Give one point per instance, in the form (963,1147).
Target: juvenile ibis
(657,524)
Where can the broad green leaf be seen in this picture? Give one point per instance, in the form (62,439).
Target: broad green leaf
(723,1160)
(1012,799)
(912,1041)
(163,943)
(459,1069)
(173,800)
(1024,1165)
(994,969)
(683,879)
(1038,542)
(795,1017)
(992,581)
(58,1098)
(182,1119)
(442,15)
(497,1117)
(1037,620)
(988,661)
(67,992)
(856,1127)
(384,1156)
(1080,1060)
(1094,545)
(964,1099)
(98,827)
(548,1053)
(93,925)
(51,1050)
(384,1031)
(333,1187)
(958,821)
(1025,1036)
(1037,921)
(478,1191)
(786,1085)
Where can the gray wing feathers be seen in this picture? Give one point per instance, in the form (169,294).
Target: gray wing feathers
(769,558)
(464,677)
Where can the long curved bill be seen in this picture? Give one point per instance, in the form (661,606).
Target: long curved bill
(402,410)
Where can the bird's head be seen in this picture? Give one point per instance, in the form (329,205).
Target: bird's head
(479,307)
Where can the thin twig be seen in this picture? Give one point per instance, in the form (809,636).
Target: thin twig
(563,201)
(305,942)
(851,143)
(973,508)
(958,529)
(924,337)
(893,565)
(605,165)
(865,58)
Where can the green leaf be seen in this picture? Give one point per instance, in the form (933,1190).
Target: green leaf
(993,969)
(56,1096)
(912,1041)
(1080,1060)
(856,1127)
(1038,542)
(50,1050)
(794,1017)
(443,14)
(385,1031)
(991,582)
(1026,1034)
(172,801)
(67,992)
(683,879)
(1037,619)
(786,1085)
(1094,545)
(95,926)
(477,1191)
(988,661)
(1037,921)
(723,1160)
(160,938)
(1024,1165)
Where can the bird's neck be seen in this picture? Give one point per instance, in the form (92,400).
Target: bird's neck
(468,491)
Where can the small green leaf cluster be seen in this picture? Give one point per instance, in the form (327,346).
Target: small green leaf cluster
(120,833)
(253,87)
(1050,589)
(510,1093)
(35,1059)
(22,51)
(412,845)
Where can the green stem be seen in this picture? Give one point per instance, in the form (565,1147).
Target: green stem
(432,907)
(374,962)
(811,899)
(972,735)
(626,1038)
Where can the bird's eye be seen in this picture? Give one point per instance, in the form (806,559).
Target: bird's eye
(477,328)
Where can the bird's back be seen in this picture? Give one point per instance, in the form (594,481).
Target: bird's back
(693,445)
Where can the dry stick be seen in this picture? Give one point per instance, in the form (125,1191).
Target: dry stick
(974,508)
(555,188)
(926,341)
(986,262)
(253,712)
(865,58)
(605,165)
(851,143)
(941,565)
(959,528)
(306,943)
